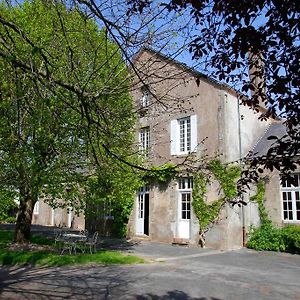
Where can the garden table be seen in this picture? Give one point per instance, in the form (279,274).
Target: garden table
(71,241)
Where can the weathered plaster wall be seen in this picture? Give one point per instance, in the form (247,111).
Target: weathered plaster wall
(239,117)
(60,219)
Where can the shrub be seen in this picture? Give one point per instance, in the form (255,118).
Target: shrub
(271,238)
(291,237)
(267,237)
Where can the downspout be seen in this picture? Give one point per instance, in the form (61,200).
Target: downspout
(240,163)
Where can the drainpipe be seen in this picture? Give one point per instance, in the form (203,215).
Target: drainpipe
(240,163)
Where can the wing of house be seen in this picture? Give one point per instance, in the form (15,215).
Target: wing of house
(282,198)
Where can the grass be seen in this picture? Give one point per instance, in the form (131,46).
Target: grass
(46,258)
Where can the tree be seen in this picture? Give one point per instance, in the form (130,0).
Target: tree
(65,106)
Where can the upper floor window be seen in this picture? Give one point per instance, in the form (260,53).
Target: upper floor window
(290,190)
(184,135)
(144,139)
(145,99)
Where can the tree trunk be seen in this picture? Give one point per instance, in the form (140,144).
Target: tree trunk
(24,217)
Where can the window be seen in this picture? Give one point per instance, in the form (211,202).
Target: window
(184,135)
(145,99)
(185,186)
(291,199)
(36,209)
(144,138)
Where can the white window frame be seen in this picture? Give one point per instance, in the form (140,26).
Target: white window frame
(184,135)
(36,209)
(144,140)
(290,194)
(185,188)
(141,200)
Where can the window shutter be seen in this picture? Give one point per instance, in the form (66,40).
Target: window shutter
(194,132)
(174,137)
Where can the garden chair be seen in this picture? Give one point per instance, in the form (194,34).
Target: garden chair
(68,244)
(92,242)
(58,239)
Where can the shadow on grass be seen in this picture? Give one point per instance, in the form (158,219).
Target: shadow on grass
(50,259)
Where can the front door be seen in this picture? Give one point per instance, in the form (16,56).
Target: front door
(184,208)
(142,219)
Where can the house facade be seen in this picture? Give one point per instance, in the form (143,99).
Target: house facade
(183,118)
(44,214)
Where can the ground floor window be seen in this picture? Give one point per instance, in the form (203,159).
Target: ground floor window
(290,190)
(185,186)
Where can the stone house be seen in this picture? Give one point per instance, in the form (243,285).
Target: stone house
(184,117)
(183,114)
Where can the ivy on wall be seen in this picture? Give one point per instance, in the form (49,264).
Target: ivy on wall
(207,213)
(259,199)
(161,174)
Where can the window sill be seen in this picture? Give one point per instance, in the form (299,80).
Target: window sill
(291,222)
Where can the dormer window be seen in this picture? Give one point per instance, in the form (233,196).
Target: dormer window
(145,99)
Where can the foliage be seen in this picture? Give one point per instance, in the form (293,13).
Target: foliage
(161,174)
(267,237)
(8,207)
(111,193)
(271,238)
(259,198)
(206,213)
(226,176)
(291,238)
(65,106)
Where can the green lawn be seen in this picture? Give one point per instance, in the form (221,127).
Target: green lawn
(8,257)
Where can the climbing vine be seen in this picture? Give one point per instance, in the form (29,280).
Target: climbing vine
(207,213)
(161,174)
(259,199)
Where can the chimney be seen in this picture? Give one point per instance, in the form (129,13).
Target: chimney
(256,67)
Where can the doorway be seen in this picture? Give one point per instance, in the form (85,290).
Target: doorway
(142,214)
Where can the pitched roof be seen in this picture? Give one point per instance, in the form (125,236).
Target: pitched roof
(277,129)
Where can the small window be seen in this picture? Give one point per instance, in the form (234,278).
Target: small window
(290,192)
(145,99)
(144,138)
(185,183)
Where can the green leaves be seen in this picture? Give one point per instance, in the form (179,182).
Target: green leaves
(65,93)
(227,177)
